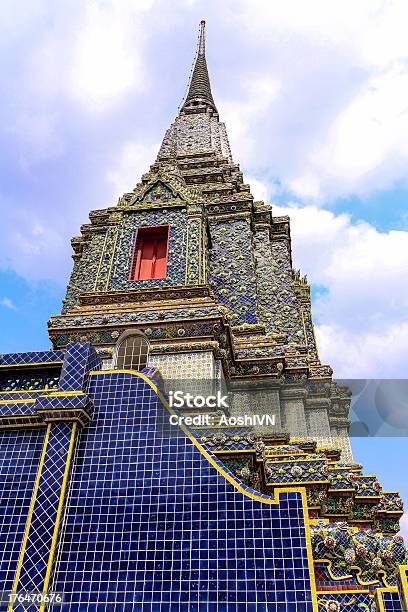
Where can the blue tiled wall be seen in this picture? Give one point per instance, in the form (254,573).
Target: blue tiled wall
(152,525)
(20,452)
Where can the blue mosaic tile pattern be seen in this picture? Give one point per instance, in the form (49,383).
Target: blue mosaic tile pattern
(138,493)
(79,360)
(12,408)
(71,407)
(17,415)
(52,402)
(283,311)
(232,269)
(196,254)
(32,357)
(43,519)
(85,271)
(391,601)
(20,453)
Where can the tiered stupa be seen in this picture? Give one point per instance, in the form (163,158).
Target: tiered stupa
(106,505)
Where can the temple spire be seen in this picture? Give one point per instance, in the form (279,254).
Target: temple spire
(199,97)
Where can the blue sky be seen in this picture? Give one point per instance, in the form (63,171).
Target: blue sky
(315,99)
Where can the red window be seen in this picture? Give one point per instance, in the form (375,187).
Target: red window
(150,253)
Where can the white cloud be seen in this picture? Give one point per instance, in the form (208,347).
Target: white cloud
(7,303)
(259,189)
(86,57)
(306,185)
(362,325)
(39,136)
(238,113)
(33,249)
(364,353)
(338,123)
(366,147)
(134,160)
(106,61)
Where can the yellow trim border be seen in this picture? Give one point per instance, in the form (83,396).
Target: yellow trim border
(60,510)
(379,599)
(30,515)
(29,365)
(18,401)
(403,569)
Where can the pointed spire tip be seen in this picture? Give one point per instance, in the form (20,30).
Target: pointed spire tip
(201,47)
(199,96)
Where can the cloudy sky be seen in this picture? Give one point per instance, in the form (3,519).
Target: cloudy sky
(315,98)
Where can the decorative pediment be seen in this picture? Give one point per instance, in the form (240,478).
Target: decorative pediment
(159,192)
(162,190)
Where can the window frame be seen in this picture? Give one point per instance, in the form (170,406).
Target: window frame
(137,251)
(129,333)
